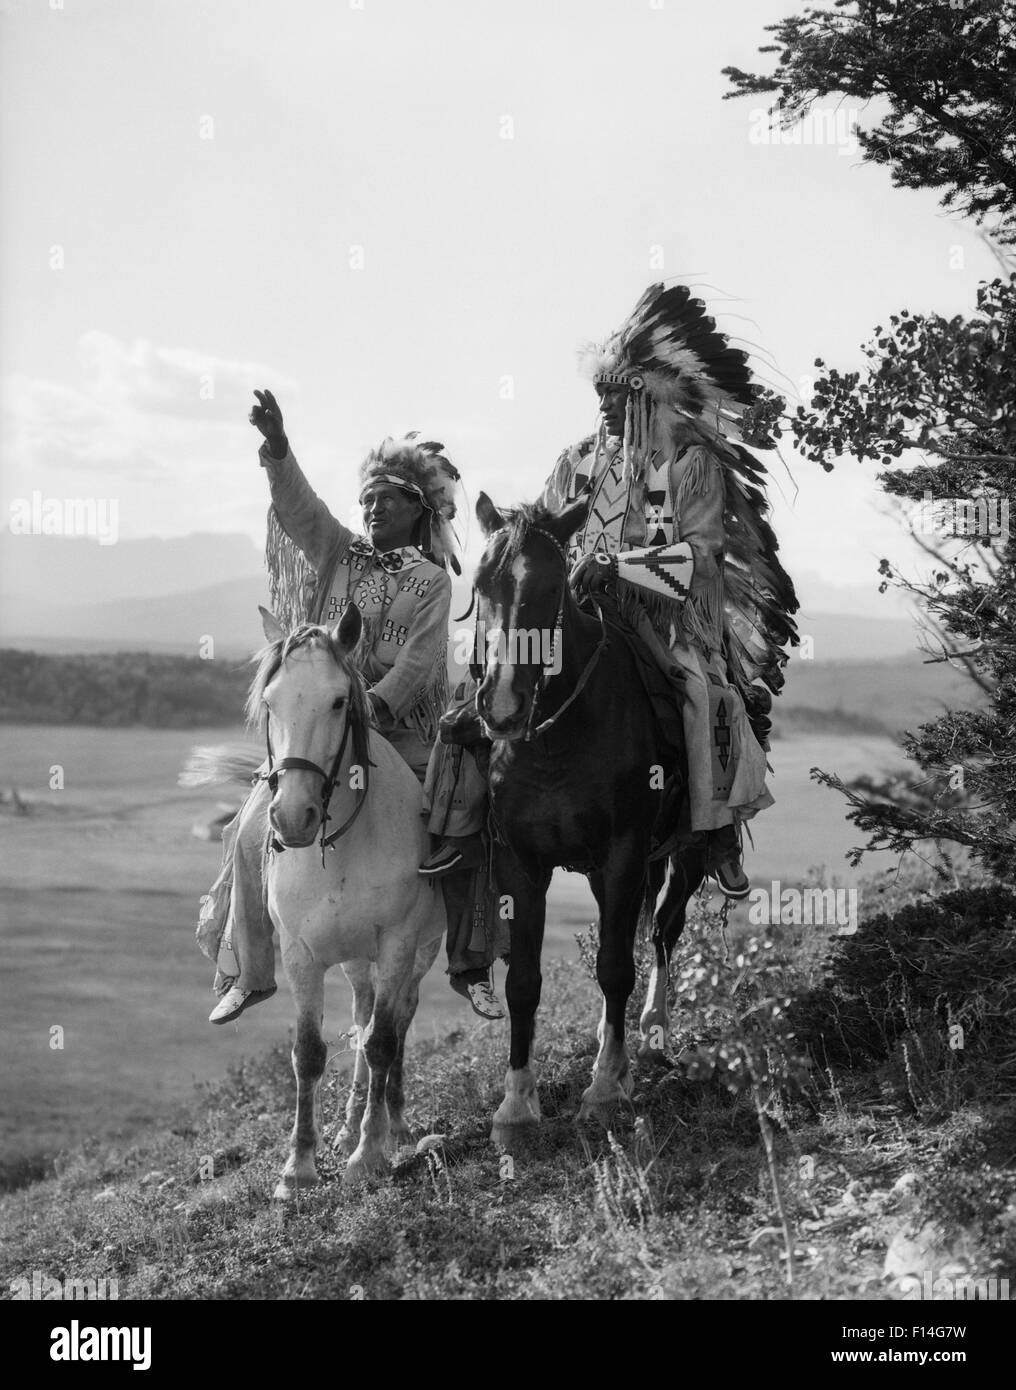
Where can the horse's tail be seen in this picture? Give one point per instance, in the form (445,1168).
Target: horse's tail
(220,762)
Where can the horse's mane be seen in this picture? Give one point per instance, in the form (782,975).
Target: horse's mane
(506,546)
(271,657)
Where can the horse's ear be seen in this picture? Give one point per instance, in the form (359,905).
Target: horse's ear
(347,630)
(562,525)
(272,627)
(488,515)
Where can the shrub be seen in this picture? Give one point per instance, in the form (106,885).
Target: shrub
(930,966)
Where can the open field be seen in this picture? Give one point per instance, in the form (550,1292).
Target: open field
(98,897)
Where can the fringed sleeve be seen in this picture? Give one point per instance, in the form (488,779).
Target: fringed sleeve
(301,534)
(290,577)
(416,685)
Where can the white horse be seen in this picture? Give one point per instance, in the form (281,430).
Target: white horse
(359,902)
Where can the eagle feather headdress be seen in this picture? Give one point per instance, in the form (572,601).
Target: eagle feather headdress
(670,348)
(670,353)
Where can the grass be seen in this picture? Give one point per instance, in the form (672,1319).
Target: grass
(675,1202)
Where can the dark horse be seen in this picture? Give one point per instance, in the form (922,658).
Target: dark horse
(575,780)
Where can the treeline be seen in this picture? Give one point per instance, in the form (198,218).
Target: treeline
(118,689)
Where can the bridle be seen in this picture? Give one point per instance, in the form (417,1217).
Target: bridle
(543,677)
(328,782)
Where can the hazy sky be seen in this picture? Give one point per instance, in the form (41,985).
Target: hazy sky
(195,268)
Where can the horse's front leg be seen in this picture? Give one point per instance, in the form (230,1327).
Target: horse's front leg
(358,973)
(521,1104)
(306,979)
(618,889)
(380,1042)
(399,1131)
(685,872)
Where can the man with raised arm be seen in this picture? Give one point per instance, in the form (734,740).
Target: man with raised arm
(396,575)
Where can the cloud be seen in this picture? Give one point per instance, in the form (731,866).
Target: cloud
(133,411)
(175,382)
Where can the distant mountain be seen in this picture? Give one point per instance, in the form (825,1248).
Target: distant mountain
(72,594)
(72,569)
(846,637)
(227,612)
(817,595)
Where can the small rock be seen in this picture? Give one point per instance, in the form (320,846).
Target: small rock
(904,1184)
(768,1235)
(430,1141)
(918,1253)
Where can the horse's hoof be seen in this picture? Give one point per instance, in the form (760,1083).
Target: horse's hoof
(654,1056)
(509,1138)
(288,1186)
(600,1108)
(364,1166)
(345,1141)
(400,1137)
(598,1112)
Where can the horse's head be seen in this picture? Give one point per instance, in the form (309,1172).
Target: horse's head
(308,695)
(522,583)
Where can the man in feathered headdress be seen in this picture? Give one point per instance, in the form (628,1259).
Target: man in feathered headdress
(396,575)
(677,523)
(677,529)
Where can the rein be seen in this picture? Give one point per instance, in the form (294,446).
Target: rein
(580,684)
(590,665)
(329,780)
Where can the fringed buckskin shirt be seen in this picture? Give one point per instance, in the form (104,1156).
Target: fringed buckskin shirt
(403,597)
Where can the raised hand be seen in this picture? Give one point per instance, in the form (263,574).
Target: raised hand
(267,417)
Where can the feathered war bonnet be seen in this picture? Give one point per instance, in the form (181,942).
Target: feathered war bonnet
(669,352)
(423,470)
